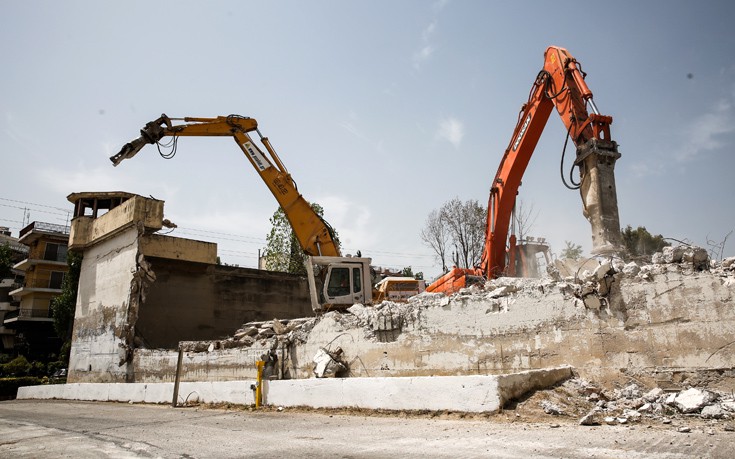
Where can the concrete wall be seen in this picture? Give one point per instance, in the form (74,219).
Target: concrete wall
(143,291)
(86,231)
(676,322)
(98,351)
(195,301)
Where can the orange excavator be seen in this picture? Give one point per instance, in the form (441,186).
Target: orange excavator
(559,84)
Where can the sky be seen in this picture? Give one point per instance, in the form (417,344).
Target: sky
(381,111)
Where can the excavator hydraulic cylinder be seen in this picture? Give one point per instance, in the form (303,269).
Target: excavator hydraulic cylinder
(596,160)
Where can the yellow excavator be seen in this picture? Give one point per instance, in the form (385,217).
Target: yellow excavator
(335,281)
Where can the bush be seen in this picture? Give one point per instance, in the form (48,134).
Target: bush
(38,369)
(9,386)
(19,366)
(53,366)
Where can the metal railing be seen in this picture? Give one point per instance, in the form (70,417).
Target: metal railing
(27,313)
(46,228)
(43,283)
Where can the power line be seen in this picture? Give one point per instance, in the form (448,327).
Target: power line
(34,204)
(36,210)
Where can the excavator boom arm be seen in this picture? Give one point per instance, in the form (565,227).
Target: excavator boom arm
(559,85)
(314,234)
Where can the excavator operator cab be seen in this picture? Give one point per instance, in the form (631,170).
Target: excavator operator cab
(343,281)
(344,284)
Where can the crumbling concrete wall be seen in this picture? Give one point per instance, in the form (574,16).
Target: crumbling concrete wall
(103,309)
(648,323)
(138,290)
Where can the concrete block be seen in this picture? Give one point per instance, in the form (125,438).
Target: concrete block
(692,400)
(93,392)
(121,392)
(513,386)
(237,392)
(158,392)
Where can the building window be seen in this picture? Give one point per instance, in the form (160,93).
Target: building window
(57,278)
(55,252)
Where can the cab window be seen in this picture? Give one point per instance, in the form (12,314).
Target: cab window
(356,280)
(339,282)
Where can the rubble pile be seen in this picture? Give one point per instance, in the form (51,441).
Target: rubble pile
(385,321)
(634,404)
(266,333)
(591,289)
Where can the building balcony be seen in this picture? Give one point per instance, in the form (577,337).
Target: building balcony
(59,260)
(7,306)
(43,228)
(28,315)
(52,285)
(9,283)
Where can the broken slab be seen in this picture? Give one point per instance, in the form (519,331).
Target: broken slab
(477,393)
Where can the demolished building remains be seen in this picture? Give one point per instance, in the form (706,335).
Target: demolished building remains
(662,324)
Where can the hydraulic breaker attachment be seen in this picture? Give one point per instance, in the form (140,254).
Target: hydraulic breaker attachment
(596,160)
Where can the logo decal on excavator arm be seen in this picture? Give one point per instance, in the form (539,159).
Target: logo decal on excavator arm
(523,131)
(260,162)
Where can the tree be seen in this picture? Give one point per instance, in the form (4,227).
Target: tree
(6,260)
(466,223)
(572,251)
(640,243)
(283,251)
(460,225)
(436,236)
(64,306)
(525,217)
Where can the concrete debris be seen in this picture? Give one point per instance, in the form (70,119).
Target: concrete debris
(653,394)
(631,269)
(693,400)
(728,263)
(629,392)
(712,412)
(633,404)
(592,294)
(695,257)
(550,408)
(591,419)
(329,364)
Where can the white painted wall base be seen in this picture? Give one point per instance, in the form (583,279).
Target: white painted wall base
(455,393)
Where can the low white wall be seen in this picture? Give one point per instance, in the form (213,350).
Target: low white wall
(479,393)
(237,392)
(456,393)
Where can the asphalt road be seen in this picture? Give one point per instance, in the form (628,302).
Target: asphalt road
(57,429)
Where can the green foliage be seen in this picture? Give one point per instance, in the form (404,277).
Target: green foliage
(9,386)
(283,252)
(19,366)
(64,305)
(572,251)
(53,366)
(6,260)
(419,275)
(639,242)
(407,272)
